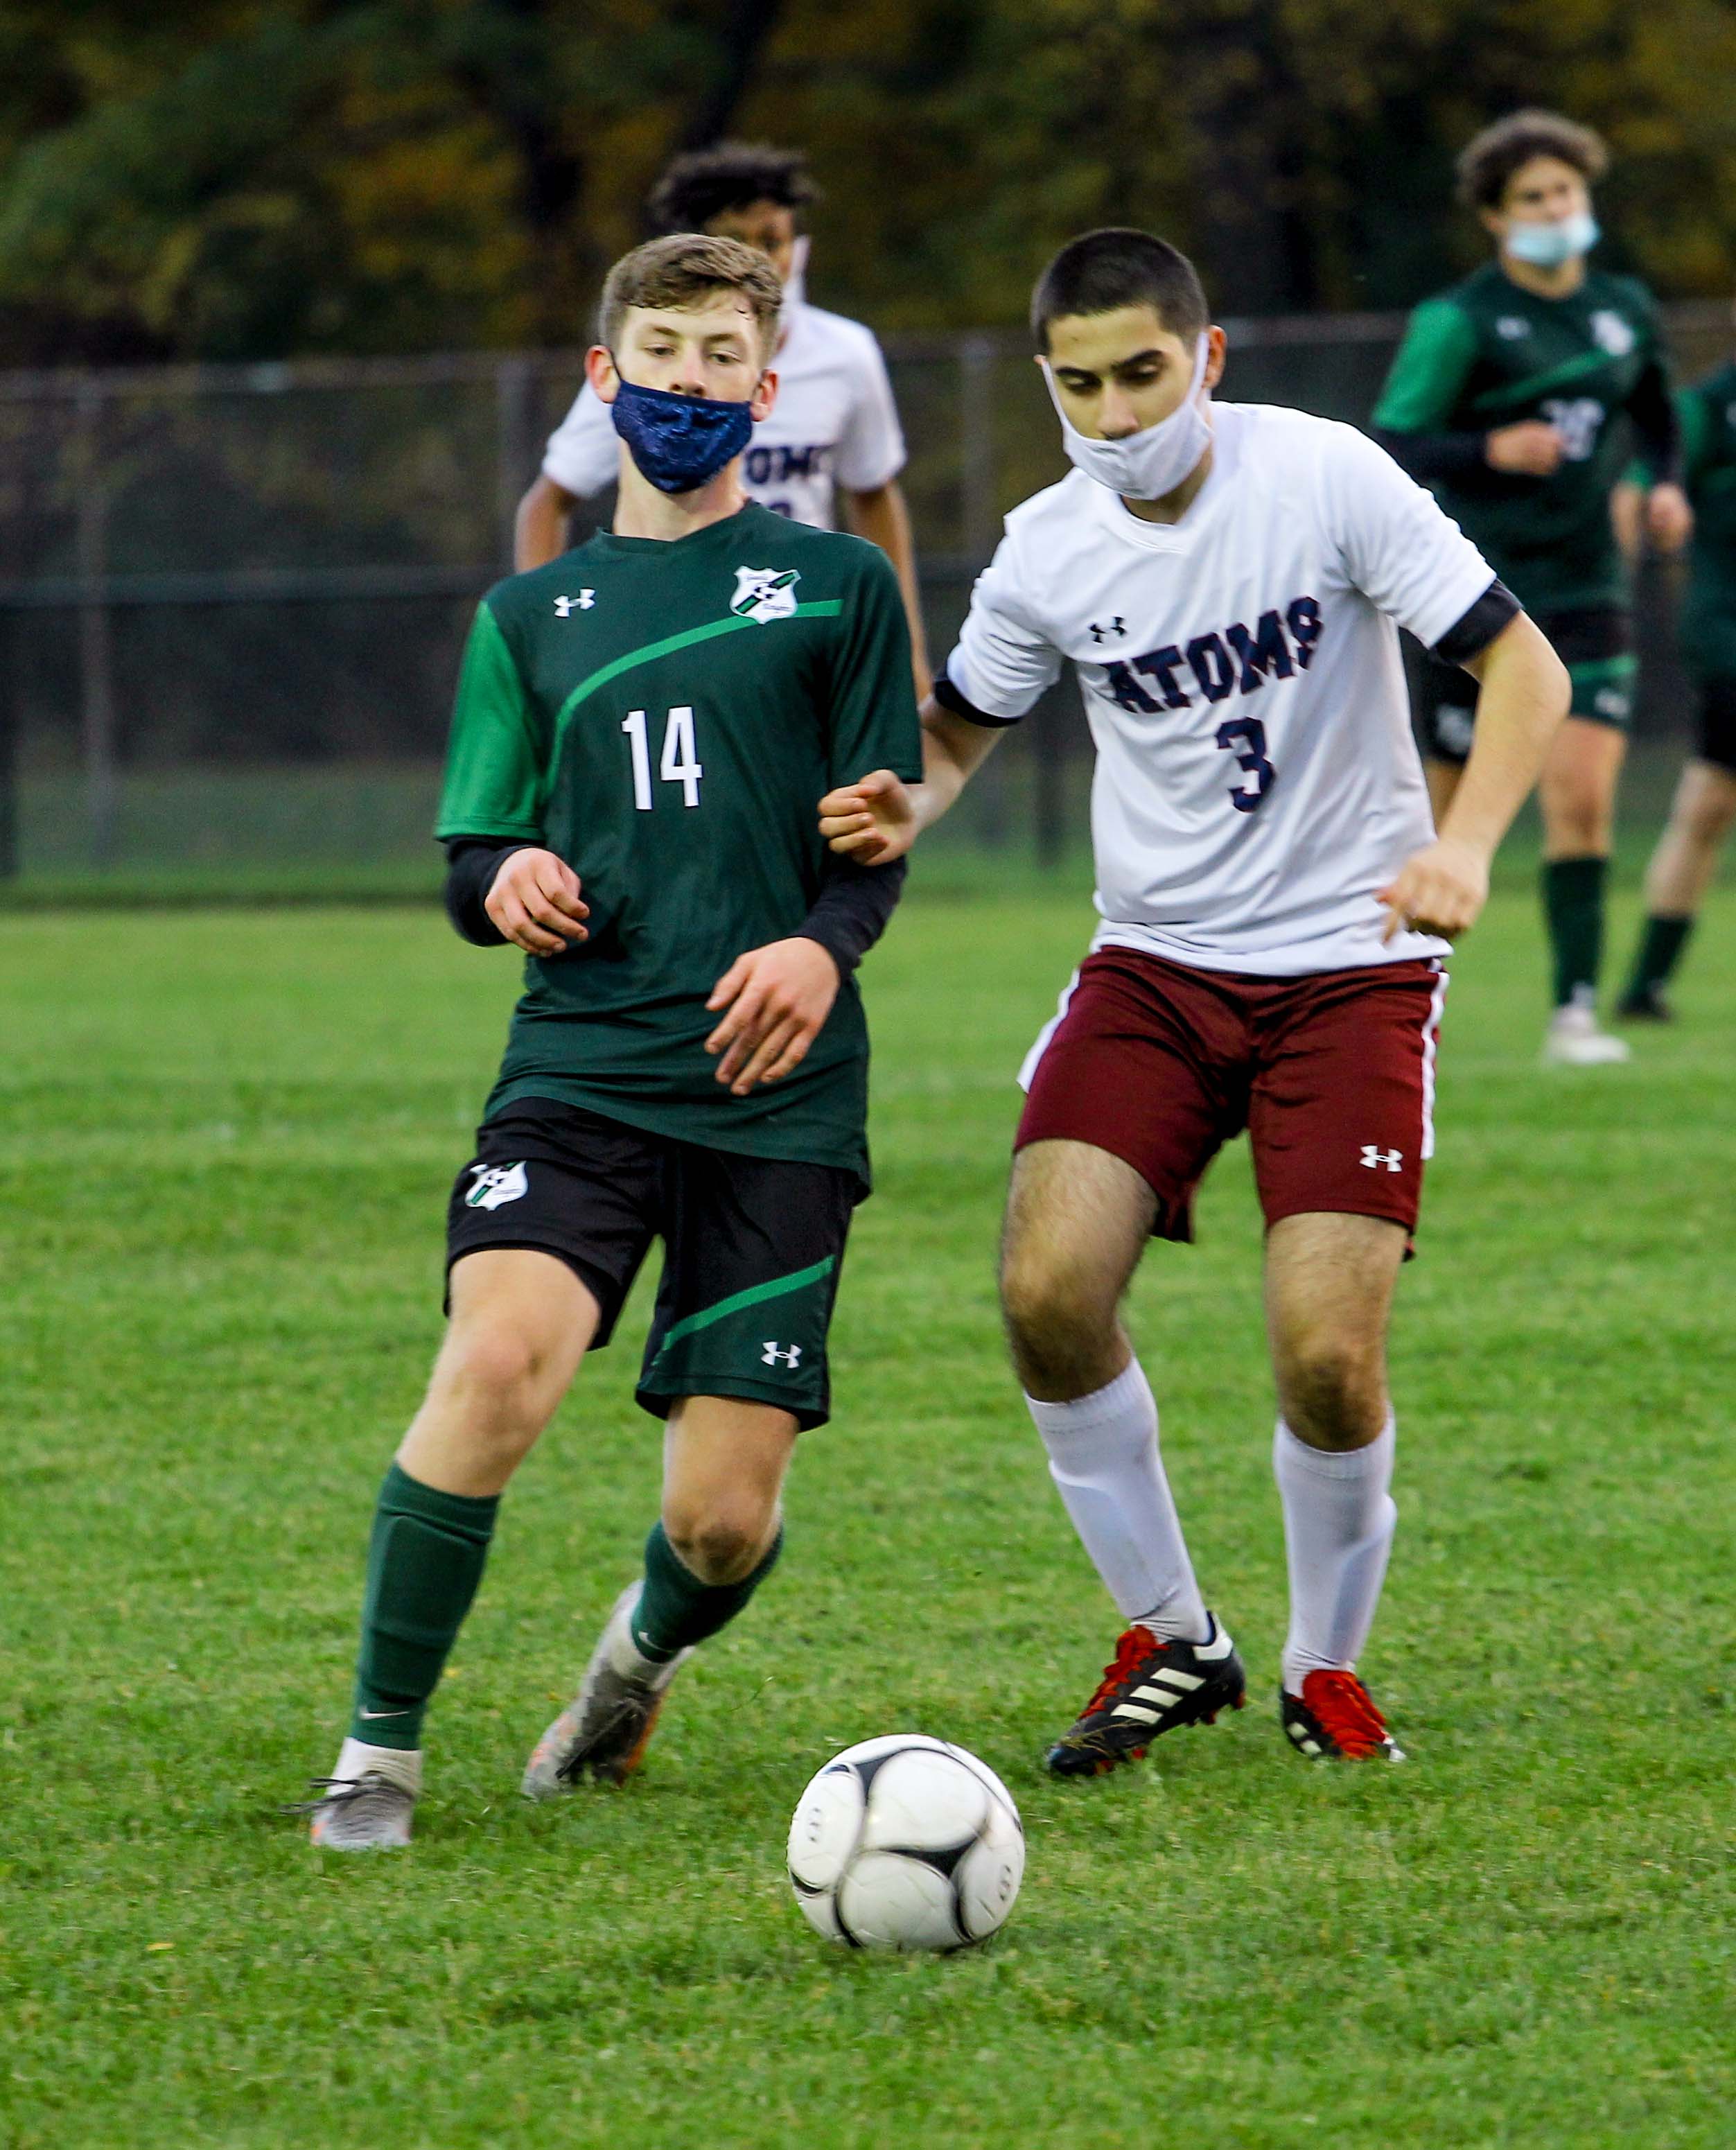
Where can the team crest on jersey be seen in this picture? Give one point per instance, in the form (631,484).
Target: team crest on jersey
(1510,327)
(1612,333)
(763,593)
(495,1183)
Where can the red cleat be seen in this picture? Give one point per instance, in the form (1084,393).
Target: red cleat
(1336,1718)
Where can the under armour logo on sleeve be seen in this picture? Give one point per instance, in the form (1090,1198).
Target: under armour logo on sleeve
(1373,1157)
(782,1354)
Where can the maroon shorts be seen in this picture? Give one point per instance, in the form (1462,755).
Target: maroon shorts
(1333,1075)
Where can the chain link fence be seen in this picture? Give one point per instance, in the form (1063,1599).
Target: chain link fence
(233,597)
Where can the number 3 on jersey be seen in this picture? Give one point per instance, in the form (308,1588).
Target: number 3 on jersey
(1249,734)
(679,763)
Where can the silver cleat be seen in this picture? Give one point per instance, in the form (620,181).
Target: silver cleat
(368,1813)
(603,1732)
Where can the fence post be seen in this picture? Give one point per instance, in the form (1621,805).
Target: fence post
(10,638)
(976,530)
(96,650)
(977,445)
(515,450)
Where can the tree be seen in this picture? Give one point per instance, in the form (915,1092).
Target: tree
(250,180)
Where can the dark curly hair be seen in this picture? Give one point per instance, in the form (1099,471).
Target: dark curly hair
(1489,159)
(708,183)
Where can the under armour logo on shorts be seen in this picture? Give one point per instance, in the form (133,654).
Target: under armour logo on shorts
(1373,1157)
(781,1354)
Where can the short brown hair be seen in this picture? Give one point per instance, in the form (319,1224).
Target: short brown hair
(1489,159)
(683,270)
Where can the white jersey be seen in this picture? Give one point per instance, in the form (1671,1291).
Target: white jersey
(834,423)
(1256,777)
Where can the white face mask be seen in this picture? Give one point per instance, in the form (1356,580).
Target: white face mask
(1548,246)
(1147,465)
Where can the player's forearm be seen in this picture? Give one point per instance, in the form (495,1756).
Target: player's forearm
(884,519)
(472,863)
(1525,693)
(1653,410)
(853,909)
(953,749)
(540,529)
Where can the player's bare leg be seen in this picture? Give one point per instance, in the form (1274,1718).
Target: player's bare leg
(1681,871)
(724,1460)
(1077,1220)
(1578,795)
(521,1323)
(1330,1281)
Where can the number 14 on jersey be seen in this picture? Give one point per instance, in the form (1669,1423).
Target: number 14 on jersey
(678,764)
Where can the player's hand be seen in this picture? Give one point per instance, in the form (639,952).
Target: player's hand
(535,902)
(777,998)
(1669,519)
(1529,449)
(872,820)
(1442,891)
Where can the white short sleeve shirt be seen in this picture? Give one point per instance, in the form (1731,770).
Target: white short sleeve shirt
(1256,777)
(834,423)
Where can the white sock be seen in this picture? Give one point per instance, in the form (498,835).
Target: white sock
(1104,1459)
(399,1765)
(1339,1519)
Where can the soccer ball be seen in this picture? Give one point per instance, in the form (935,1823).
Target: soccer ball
(906,1843)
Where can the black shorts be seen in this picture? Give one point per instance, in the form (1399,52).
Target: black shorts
(1596,643)
(752,1246)
(1717,741)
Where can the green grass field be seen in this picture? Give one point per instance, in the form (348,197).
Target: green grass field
(225,1139)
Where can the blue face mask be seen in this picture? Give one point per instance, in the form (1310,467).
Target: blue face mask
(678,441)
(1548,246)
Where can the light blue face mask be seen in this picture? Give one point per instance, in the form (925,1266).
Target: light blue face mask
(1548,246)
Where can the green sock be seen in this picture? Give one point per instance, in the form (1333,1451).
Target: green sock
(425,1561)
(1573,906)
(676,1610)
(1660,950)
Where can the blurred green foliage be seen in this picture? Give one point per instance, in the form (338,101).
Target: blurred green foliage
(229,180)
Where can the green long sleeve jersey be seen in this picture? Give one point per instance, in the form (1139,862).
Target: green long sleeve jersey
(1487,354)
(1709,453)
(665,717)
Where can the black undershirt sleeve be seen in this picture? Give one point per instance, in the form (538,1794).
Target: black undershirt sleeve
(1428,456)
(949,698)
(848,916)
(472,862)
(851,913)
(1653,410)
(1472,633)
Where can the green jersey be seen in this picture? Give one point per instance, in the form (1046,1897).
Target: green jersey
(1488,354)
(665,717)
(1709,453)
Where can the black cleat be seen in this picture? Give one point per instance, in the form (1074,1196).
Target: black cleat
(1335,1719)
(1150,1687)
(1648,1005)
